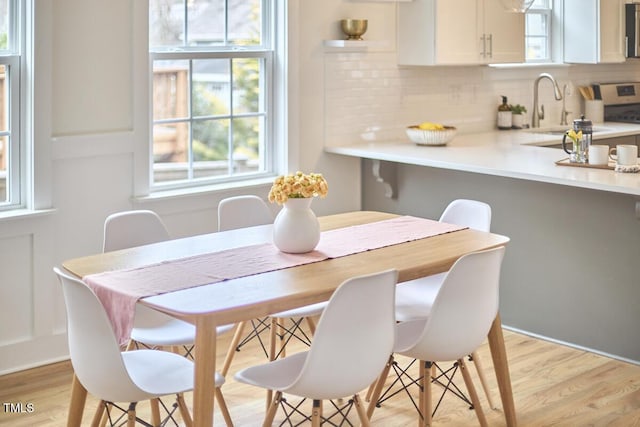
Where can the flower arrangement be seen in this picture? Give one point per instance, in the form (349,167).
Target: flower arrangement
(576,137)
(298,186)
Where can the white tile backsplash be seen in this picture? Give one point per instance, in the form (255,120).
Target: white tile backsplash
(368,97)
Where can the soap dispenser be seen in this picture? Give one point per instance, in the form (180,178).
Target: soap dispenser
(505,115)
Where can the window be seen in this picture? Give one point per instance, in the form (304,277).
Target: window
(12,154)
(212,66)
(538,31)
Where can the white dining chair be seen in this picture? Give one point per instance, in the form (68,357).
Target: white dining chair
(248,211)
(352,342)
(233,213)
(454,328)
(414,298)
(132,376)
(151,328)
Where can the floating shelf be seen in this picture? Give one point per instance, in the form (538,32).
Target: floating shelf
(353,44)
(346,43)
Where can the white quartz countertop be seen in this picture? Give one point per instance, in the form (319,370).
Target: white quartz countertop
(517,154)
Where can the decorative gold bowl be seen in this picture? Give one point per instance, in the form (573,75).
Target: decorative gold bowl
(354,28)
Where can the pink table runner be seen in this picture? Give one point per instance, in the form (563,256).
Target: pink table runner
(120,290)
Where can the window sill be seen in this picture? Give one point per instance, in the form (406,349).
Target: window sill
(204,190)
(20,214)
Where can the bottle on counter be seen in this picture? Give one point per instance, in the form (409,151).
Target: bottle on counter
(505,115)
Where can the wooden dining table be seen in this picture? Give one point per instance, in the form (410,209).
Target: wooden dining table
(259,295)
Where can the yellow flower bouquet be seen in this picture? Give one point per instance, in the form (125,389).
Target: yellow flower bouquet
(298,186)
(574,136)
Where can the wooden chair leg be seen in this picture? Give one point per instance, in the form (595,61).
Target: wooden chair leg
(99,414)
(483,378)
(131,416)
(105,415)
(316,413)
(425,394)
(312,325)
(273,341)
(273,408)
(223,407)
(131,345)
(472,393)
(377,389)
(184,410)
(283,332)
(237,335)
(362,415)
(372,386)
(273,338)
(155,412)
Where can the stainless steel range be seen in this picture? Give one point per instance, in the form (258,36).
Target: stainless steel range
(621,101)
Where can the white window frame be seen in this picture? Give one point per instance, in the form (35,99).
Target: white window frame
(15,62)
(271,51)
(548,13)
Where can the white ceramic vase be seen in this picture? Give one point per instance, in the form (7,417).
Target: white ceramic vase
(296,228)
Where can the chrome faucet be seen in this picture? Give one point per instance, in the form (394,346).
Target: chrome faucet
(564,113)
(539,115)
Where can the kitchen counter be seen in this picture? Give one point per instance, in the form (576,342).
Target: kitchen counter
(520,154)
(570,272)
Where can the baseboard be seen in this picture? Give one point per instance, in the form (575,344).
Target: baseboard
(568,344)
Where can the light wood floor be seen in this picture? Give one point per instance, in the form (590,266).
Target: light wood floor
(553,386)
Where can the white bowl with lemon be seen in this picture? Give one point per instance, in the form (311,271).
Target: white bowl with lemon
(429,133)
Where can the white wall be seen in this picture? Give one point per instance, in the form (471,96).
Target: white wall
(90,134)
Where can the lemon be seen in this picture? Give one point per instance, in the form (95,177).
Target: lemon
(430,126)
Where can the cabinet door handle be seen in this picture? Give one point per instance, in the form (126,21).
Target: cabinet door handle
(490,46)
(483,39)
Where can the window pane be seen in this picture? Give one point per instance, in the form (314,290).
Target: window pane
(4,99)
(210,147)
(176,23)
(537,48)
(170,89)
(4,153)
(536,25)
(247,144)
(171,142)
(246,85)
(205,22)
(13,147)
(245,17)
(5,147)
(166,23)
(4,25)
(538,34)
(211,87)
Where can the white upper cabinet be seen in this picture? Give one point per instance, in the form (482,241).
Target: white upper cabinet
(505,31)
(459,32)
(594,31)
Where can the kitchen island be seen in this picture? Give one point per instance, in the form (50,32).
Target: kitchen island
(521,154)
(571,272)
